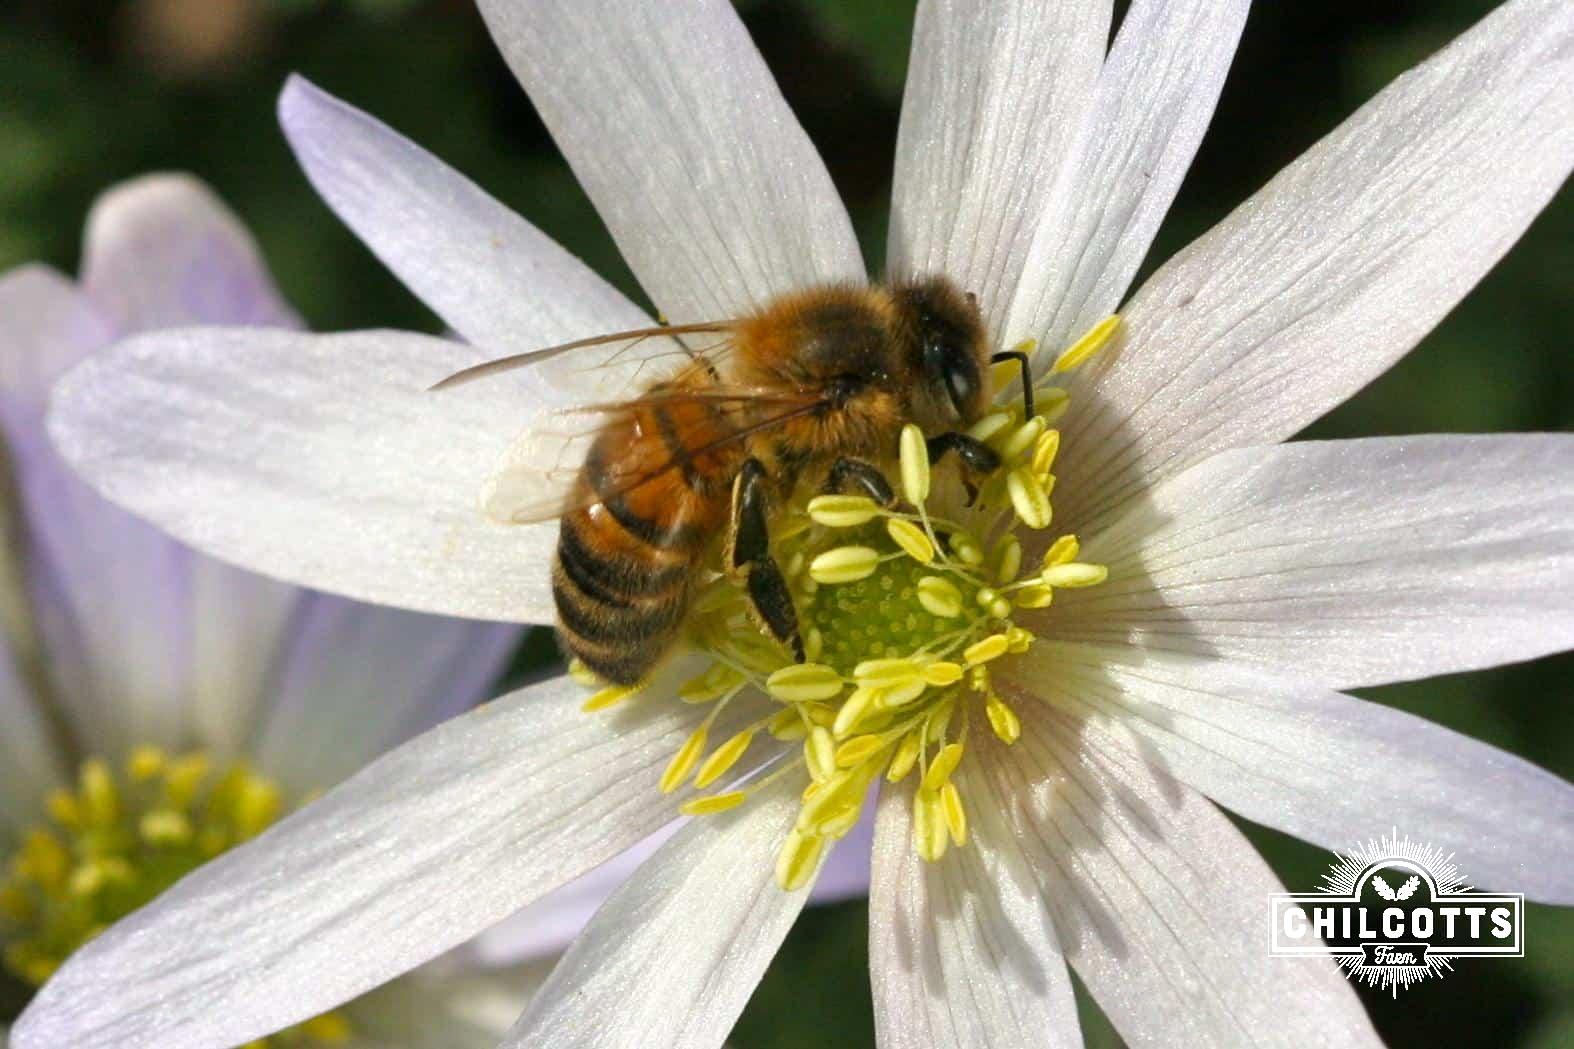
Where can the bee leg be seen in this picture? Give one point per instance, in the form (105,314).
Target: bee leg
(1027,378)
(865,475)
(977,457)
(749,558)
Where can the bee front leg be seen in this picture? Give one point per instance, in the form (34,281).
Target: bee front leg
(748,558)
(977,457)
(862,473)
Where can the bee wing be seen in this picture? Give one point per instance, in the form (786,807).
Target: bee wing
(535,480)
(616,360)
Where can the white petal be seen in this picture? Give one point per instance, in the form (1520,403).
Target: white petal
(996,96)
(673,956)
(962,952)
(1155,96)
(1337,267)
(163,251)
(418,852)
(1347,562)
(1161,904)
(552,922)
(317,459)
(353,680)
(1326,767)
(497,280)
(673,125)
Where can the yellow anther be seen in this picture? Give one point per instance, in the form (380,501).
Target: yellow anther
(1044,451)
(610,696)
(861,702)
(885,673)
(939,721)
(1019,640)
(967,548)
(1061,551)
(1033,597)
(717,680)
(939,597)
(938,774)
(858,750)
(145,763)
(914,461)
(804,683)
(582,674)
(905,757)
(714,803)
(1075,574)
(955,814)
(100,799)
(819,754)
(942,673)
(1028,497)
(684,760)
(844,564)
(813,643)
(842,511)
(930,834)
(1052,402)
(982,651)
(911,539)
(901,695)
(1006,558)
(64,809)
(990,426)
(786,725)
(1022,438)
(1095,340)
(183,777)
(723,759)
(87,880)
(164,827)
(799,859)
(1002,719)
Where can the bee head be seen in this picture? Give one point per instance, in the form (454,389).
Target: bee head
(944,339)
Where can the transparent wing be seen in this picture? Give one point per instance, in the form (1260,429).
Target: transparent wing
(613,364)
(536,478)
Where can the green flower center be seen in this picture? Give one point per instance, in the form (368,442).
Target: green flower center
(119,838)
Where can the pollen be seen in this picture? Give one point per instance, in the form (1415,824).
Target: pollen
(906,613)
(118,837)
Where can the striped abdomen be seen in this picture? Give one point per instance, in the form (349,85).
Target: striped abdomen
(626,563)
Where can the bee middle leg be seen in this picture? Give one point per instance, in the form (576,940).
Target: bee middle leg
(861,473)
(748,557)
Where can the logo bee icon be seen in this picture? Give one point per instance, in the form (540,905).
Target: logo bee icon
(812,386)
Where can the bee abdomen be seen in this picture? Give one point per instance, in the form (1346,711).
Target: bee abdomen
(618,612)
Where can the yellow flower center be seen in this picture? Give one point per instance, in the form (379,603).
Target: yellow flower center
(118,839)
(906,612)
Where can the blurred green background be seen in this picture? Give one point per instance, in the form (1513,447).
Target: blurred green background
(95,91)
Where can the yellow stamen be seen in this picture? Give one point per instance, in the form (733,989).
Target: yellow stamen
(911,539)
(723,759)
(845,564)
(1095,340)
(914,457)
(684,760)
(842,511)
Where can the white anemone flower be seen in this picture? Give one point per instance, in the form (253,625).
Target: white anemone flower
(1231,585)
(158,707)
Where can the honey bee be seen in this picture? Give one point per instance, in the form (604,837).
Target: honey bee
(813,386)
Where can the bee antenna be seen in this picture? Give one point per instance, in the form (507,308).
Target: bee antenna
(1027,377)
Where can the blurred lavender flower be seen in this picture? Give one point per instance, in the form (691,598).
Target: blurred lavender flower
(156,706)
(1247,581)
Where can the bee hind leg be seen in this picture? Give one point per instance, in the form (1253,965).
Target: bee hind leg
(748,558)
(863,474)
